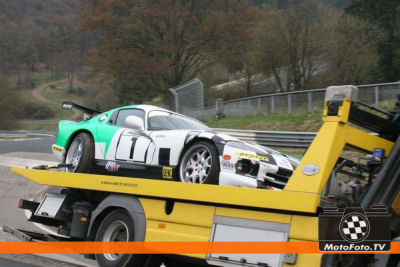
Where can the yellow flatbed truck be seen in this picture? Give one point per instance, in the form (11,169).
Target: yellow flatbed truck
(135,209)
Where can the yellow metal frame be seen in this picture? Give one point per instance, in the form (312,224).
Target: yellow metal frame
(248,197)
(328,145)
(197,204)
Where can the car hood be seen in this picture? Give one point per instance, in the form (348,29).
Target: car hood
(260,150)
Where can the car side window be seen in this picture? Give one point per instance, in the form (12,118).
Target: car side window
(124,113)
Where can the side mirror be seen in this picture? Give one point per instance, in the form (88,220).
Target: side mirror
(134,122)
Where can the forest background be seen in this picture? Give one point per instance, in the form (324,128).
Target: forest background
(108,53)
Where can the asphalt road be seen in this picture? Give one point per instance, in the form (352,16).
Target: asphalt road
(21,153)
(37,145)
(12,263)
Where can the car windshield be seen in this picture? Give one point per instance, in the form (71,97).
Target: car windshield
(162,120)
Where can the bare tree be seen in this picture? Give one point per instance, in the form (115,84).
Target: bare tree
(290,42)
(163,43)
(351,52)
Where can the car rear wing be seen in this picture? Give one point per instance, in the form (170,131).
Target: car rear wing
(88,112)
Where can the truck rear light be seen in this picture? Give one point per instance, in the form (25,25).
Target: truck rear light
(28,205)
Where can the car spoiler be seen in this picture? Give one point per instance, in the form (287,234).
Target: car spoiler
(89,112)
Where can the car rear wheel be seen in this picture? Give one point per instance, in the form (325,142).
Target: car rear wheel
(200,164)
(80,154)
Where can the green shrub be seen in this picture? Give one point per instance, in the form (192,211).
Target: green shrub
(32,110)
(10,106)
(80,91)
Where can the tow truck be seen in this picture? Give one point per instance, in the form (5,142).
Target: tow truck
(92,207)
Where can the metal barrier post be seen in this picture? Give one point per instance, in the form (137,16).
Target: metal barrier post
(176,100)
(259,104)
(236,108)
(272,104)
(377,96)
(219,107)
(289,103)
(309,96)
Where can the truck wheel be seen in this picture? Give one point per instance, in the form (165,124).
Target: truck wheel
(200,164)
(80,154)
(118,226)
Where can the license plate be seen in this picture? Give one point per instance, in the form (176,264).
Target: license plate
(50,205)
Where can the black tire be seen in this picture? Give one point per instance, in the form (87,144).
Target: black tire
(211,174)
(173,261)
(86,159)
(113,219)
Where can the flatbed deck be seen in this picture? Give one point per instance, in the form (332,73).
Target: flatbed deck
(184,192)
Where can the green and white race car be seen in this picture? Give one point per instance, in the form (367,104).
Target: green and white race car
(150,142)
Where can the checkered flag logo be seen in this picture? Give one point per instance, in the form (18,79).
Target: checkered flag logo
(354,227)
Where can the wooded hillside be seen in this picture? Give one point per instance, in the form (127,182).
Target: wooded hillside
(132,51)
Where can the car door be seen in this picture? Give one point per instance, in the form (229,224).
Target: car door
(108,135)
(133,144)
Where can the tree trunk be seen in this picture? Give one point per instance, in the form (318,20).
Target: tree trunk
(248,81)
(19,82)
(70,81)
(28,77)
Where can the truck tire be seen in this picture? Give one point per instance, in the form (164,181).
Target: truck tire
(200,164)
(118,226)
(80,154)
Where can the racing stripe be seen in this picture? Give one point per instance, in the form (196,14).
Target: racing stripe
(132,147)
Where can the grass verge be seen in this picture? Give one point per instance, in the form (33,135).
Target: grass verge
(299,122)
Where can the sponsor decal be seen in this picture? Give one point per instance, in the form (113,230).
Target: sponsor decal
(354,228)
(226,164)
(57,148)
(112,166)
(118,184)
(251,156)
(167,172)
(67,106)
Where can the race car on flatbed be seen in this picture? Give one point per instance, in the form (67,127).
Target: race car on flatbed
(153,142)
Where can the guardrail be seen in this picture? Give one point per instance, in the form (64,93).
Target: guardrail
(292,102)
(272,138)
(27,134)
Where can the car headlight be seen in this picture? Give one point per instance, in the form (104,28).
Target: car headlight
(247,167)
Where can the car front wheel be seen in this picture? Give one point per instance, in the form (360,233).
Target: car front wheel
(200,164)
(80,154)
